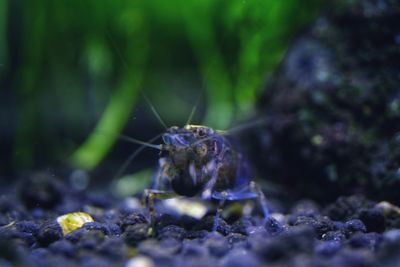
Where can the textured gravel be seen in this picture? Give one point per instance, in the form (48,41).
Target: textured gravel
(352,231)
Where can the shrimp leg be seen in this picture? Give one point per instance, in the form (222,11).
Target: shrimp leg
(150,195)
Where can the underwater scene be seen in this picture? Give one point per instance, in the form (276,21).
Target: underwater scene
(227,133)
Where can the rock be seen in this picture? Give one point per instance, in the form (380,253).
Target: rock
(172,231)
(354,226)
(42,190)
(373,219)
(136,233)
(48,233)
(132,219)
(329,110)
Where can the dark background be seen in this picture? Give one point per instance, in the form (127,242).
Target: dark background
(71,73)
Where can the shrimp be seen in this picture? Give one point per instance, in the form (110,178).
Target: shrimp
(198,161)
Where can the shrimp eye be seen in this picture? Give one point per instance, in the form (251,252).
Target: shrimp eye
(201,132)
(201,150)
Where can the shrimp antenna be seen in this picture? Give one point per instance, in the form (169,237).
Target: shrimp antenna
(247,125)
(135,153)
(153,109)
(114,45)
(193,111)
(126,66)
(138,142)
(256,122)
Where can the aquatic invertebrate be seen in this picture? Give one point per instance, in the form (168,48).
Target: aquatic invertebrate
(198,161)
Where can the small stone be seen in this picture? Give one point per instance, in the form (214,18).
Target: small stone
(193,248)
(113,247)
(132,219)
(273,226)
(172,231)
(240,258)
(63,247)
(368,240)
(140,261)
(41,190)
(354,226)
(327,249)
(48,233)
(243,225)
(320,224)
(336,236)
(207,223)
(136,233)
(91,239)
(217,245)
(373,219)
(72,221)
(27,227)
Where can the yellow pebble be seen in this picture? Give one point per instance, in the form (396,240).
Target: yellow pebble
(72,221)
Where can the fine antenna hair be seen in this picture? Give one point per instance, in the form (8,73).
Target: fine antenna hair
(202,140)
(138,142)
(257,122)
(153,109)
(246,125)
(135,153)
(126,66)
(193,111)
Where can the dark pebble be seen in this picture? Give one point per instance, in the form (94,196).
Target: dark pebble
(164,220)
(196,262)
(207,223)
(294,240)
(334,236)
(113,247)
(200,234)
(344,208)
(162,254)
(27,227)
(354,226)
(48,233)
(373,219)
(328,248)
(321,225)
(243,225)
(217,245)
(353,258)
(94,261)
(63,247)
(91,239)
(107,229)
(42,190)
(7,249)
(237,240)
(136,233)
(305,208)
(240,258)
(76,235)
(132,219)
(273,226)
(193,248)
(172,231)
(368,240)
(163,249)
(388,252)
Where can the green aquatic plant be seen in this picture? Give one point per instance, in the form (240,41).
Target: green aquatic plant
(71,80)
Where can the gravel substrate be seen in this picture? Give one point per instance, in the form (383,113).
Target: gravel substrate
(352,231)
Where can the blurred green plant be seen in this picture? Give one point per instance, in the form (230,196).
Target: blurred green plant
(3,19)
(72,79)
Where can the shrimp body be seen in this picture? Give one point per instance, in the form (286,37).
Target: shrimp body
(200,161)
